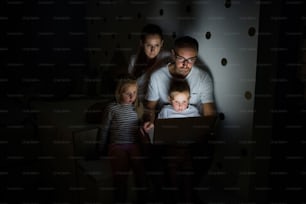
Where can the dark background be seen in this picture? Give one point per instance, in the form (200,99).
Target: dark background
(280,97)
(46,59)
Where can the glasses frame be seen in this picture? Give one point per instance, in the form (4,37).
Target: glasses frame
(182,59)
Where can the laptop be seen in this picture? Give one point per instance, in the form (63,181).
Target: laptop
(183,131)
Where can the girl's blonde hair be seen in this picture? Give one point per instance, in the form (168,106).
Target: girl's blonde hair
(122,82)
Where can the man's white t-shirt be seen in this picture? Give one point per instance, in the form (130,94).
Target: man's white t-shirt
(201,87)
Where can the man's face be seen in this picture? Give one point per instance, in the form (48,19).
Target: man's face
(184,59)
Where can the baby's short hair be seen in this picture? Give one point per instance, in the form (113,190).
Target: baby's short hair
(179,85)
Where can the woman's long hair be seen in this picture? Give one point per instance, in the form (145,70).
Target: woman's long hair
(142,63)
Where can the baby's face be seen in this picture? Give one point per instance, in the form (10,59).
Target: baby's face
(179,100)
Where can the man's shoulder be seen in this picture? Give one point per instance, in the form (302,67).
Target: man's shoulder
(199,72)
(160,71)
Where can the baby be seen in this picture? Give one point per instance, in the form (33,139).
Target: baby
(179,107)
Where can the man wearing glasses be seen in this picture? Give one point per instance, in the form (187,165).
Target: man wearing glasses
(184,56)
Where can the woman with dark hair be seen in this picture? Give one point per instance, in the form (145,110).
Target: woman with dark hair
(149,57)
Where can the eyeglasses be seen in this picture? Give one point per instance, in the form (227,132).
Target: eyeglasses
(183,59)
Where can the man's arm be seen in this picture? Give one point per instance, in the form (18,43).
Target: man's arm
(209,109)
(149,114)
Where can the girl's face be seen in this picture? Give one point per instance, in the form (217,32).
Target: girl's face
(179,100)
(128,94)
(152,45)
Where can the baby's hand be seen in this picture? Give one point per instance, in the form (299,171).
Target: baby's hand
(147,126)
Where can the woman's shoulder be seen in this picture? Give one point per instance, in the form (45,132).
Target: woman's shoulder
(164,54)
(131,63)
(132,58)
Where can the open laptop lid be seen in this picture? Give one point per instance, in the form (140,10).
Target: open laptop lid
(183,130)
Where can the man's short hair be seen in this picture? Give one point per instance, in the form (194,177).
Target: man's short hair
(186,42)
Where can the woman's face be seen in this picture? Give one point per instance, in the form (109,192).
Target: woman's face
(152,45)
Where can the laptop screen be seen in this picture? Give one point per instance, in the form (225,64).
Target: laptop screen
(183,130)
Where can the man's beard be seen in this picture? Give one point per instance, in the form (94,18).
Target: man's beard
(180,75)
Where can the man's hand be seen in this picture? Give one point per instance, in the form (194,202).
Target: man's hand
(149,114)
(147,126)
